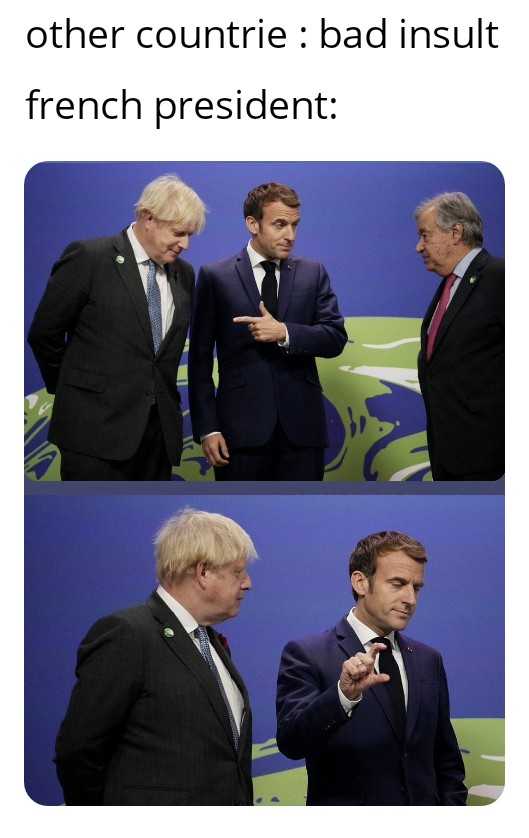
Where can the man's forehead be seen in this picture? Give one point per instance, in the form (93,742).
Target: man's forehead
(277,209)
(427,219)
(398,563)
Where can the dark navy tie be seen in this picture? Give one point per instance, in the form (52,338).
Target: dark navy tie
(269,288)
(388,665)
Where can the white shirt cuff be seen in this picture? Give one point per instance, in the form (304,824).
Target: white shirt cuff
(347,704)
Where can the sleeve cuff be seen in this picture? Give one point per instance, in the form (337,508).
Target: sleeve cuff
(347,704)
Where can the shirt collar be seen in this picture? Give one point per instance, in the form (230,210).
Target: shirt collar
(140,254)
(256,258)
(462,266)
(366,634)
(182,614)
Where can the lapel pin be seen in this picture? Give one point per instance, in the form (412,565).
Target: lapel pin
(168,632)
(473,279)
(120,259)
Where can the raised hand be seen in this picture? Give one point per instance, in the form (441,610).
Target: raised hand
(358,673)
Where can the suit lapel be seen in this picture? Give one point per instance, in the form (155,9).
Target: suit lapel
(228,663)
(175,284)
(464,290)
(350,645)
(127,268)
(245,274)
(177,640)
(286,283)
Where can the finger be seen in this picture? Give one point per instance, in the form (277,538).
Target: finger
(264,311)
(376,678)
(246,319)
(374,650)
(355,669)
(218,461)
(224,450)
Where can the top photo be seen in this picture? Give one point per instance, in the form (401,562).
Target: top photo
(264,322)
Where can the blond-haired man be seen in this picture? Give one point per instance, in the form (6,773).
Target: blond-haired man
(108,336)
(159,714)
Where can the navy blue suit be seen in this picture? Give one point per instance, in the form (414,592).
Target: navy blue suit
(360,760)
(261,385)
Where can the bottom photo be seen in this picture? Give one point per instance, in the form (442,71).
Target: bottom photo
(264,650)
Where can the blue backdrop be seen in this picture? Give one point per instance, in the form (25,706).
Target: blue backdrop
(89,556)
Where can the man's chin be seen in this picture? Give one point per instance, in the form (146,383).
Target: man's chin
(400,621)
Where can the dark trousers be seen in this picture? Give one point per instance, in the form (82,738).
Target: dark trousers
(150,462)
(440,473)
(277,460)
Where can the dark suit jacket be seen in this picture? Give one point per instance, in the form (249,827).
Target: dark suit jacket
(360,760)
(91,336)
(463,382)
(260,384)
(146,724)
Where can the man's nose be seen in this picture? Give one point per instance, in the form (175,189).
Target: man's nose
(409,595)
(183,241)
(246,583)
(420,246)
(291,233)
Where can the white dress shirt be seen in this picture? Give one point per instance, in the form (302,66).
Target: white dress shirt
(166,296)
(189,624)
(366,636)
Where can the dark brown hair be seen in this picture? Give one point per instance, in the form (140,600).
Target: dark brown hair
(267,193)
(367,551)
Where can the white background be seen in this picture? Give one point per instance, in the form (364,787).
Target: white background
(443,104)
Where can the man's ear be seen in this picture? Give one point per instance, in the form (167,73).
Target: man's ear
(457,233)
(252,224)
(200,574)
(360,582)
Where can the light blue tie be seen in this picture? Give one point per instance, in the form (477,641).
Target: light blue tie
(205,651)
(155,305)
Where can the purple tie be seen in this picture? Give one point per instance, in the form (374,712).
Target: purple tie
(437,319)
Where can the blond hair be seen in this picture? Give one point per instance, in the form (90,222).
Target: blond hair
(170,199)
(193,536)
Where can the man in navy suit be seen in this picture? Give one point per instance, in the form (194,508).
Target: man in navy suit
(365,706)
(269,316)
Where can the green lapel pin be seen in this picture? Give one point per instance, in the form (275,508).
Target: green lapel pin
(120,259)
(168,632)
